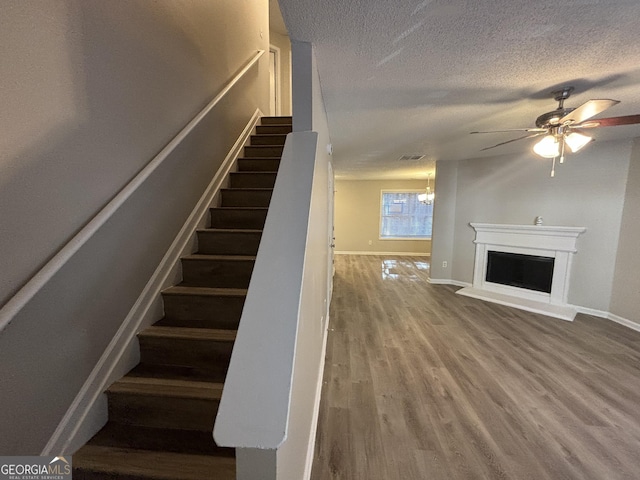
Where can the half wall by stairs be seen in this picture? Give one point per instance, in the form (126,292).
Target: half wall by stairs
(161,413)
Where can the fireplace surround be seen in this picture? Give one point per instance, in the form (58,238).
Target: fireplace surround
(515,243)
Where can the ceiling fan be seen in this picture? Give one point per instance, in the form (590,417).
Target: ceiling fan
(565,127)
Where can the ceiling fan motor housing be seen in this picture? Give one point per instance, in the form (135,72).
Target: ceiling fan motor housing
(552,119)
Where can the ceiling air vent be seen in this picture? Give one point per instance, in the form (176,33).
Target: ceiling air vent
(411,158)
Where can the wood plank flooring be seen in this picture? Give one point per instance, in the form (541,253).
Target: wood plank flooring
(421,383)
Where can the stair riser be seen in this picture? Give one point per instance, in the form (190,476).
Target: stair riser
(252,219)
(216,273)
(252,180)
(276,121)
(268,139)
(258,164)
(245,198)
(274,129)
(162,412)
(198,311)
(263,151)
(201,354)
(228,243)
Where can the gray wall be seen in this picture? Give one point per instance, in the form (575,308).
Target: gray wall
(444,213)
(357,217)
(625,300)
(91,91)
(588,191)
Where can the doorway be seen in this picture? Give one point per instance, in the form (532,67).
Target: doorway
(275,108)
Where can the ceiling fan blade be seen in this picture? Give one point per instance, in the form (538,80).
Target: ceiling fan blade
(514,140)
(611,121)
(515,130)
(589,109)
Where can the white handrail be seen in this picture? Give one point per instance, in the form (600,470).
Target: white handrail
(40,279)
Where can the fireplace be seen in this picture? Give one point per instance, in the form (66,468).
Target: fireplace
(524,266)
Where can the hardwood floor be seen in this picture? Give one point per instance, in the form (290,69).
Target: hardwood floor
(421,383)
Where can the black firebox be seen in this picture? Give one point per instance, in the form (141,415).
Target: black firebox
(523,271)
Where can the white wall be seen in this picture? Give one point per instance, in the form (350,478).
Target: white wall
(357,217)
(295,455)
(91,91)
(625,301)
(588,191)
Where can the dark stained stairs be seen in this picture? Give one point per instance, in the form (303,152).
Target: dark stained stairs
(161,414)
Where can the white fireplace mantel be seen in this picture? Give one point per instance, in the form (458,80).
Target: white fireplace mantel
(555,242)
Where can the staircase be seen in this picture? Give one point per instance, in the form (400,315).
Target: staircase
(161,413)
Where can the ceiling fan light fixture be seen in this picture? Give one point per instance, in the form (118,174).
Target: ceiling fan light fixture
(548,147)
(576,141)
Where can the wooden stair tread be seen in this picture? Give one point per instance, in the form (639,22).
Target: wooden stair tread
(177,372)
(122,462)
(188,333)
(231,258)
(205,291)
(167,387)
(178,440)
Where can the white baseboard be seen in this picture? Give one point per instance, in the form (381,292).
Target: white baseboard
(624,321)
(316,407)
(88,412)
(393,254)
(609,316)
(591,311)
(447,281)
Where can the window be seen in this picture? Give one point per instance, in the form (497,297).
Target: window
(403,217)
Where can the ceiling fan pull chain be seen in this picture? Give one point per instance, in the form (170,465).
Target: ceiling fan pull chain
(561,150)
(553,167)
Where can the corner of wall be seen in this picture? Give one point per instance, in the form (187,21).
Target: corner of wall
(444,217)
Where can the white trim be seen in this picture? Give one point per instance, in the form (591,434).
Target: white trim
(609,316)
(624,321)
(591,311)
(82,419)
(316,407)
(447,281)
(40,279)
(395,254)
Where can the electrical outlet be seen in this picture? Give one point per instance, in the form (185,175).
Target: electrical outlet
(444,264)
(370,242)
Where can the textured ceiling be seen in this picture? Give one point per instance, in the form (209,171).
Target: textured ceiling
(415,77)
